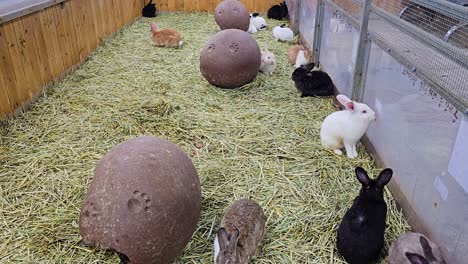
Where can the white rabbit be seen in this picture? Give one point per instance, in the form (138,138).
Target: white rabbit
(345,128)
(258,21)
(252,28)
(268,62)
(283,33)
(301,59)
(243,228)
(414,248)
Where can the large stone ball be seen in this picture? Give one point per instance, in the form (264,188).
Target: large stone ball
(230,59)
(232,14)
(144,201)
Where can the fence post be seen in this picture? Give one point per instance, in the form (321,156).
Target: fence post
(318,31)
(297,16)
(362,56)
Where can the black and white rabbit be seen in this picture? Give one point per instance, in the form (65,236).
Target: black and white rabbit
(361,232)
(312,83)
(278,12)
(149,10)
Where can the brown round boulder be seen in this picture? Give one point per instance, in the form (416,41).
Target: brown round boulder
(232,14)
(230,59)
(144,201)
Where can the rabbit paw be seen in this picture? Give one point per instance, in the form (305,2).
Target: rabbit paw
(338,151)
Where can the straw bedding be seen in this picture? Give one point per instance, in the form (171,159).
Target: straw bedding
(260,142)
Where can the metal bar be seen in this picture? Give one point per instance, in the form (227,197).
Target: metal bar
(425,37)
(445,7)
(297,16)
(362,56)
(351,19)
(428,79)
(28,9)
(453,29)
(318,31)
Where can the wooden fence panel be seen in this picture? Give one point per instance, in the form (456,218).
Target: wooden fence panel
(261,6)
(41,45)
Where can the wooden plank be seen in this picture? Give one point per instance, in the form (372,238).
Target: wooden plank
(163,5)
(119,20)
(195,6)
(258,6)
(109,10)
(65,14)
(22,60)
(90,30)
(171,5)
(98,21)
(49,31)
(213,4)
(8,73)
(180,5)
(5,107)
(63,39)
(203,5)
(127,16)
(37,53)
(23,79)
(104,18)
(80,29)
(187,6)
(41,49)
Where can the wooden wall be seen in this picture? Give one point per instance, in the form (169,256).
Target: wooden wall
(42,46)
(261,6)
(38,48)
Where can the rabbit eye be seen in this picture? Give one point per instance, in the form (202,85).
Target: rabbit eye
(364,111)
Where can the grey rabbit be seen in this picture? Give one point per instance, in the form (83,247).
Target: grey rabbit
(361,232)
(414,248)
(312,83)
(278,12)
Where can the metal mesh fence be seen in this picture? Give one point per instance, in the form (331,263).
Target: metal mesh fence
(352,8)
(430,37)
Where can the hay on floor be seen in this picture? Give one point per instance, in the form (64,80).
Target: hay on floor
(259,142)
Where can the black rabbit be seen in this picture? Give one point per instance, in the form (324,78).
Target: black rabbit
(149,10)
(278,12)
(312,83)
(361,232)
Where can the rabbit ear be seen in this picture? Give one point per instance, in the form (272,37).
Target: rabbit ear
(222,238)
(362,176)
(310,66)
(416,258)
(344,100)
(384,177)
(154,26)
(233,240)
(426,248)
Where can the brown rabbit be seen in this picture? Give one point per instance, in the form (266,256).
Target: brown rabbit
(243,230)
(165,37)
(293,55)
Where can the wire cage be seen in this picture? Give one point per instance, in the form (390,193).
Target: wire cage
(431,37)
(408,60)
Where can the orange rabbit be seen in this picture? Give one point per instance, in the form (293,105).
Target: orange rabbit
(165,37)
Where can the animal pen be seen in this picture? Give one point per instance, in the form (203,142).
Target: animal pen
(78,77)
